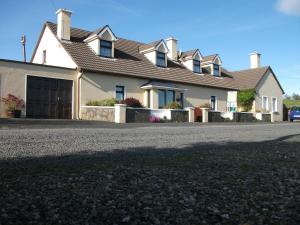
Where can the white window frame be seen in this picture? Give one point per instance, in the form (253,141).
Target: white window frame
(216,102)
(115,92)
(267,103)
(276,104)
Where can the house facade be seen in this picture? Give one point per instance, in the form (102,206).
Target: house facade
(102,65)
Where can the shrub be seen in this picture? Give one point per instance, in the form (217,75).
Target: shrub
(154,119)
(173,105)
(205,105)
(245,99)
(104,102)
(13,103)
(132,102)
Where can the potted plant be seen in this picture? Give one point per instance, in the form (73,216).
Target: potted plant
(14,106)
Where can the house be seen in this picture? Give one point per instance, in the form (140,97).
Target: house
(102,65)
(269,92)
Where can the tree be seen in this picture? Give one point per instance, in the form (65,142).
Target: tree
(296,96)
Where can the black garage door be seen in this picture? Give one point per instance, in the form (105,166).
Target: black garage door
(48,98)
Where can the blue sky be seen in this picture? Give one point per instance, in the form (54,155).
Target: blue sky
(231,28)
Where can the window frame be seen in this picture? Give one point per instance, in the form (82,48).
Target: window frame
(267,103)
(120,92)
(216,103)
(196,61)
(159,57)
(213,70)
(165,98)
(106,47)
(276,104)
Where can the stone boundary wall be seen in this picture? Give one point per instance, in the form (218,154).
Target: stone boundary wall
(244,117)
(99,113)
(137,115)
(179,116)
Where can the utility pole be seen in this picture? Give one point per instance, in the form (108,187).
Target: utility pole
(23,42)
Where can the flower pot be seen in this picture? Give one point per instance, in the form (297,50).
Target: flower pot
(17,113)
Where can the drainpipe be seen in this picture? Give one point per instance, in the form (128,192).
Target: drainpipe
(79,76)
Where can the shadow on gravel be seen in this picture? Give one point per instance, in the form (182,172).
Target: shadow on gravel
(228,183)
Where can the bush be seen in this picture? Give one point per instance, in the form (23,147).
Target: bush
(205,105)
(245,99)
(13,103)
(132,102)
(104,102)
(173,105)
(154,119)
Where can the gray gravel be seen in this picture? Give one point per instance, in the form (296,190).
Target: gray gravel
(217,174)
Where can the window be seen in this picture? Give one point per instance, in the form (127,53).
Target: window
(161,59)
(120,93)
(180,100)
(148,98)
(196,64)
(105,48)
(213,103)
(216,70)
(170,97)
(161,98)
(274,104)
(265,103)
(44,57)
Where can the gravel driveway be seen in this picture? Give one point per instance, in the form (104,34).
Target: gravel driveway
(217,174)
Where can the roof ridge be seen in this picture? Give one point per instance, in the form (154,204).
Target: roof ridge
(244,70)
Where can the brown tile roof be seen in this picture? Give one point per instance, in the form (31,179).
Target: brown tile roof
(188,53)
(209,58)
(153,44)
(248,79)
(130,62)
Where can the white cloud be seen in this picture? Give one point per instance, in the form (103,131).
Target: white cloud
(290,7)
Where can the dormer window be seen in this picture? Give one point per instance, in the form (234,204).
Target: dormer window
(156,52)
(216,70)
(196,66)
(105,48)
(102,42)
(160,59)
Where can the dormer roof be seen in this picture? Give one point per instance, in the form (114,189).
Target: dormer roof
(215,58)
(191,54)
(159,45)
(129,62)
(103,33)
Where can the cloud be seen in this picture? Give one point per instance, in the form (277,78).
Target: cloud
(290,7)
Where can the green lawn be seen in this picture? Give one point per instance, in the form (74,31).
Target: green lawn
(290,103)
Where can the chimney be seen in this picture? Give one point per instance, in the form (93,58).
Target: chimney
(63,24)
(172,46)
(254,60)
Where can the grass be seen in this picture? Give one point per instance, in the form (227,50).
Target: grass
(290,103)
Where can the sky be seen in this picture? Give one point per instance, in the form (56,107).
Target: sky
(231,28)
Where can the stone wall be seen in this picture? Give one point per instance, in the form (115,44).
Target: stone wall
(100,113)
(244,117)
(136,115)
(179,116)
(216,117)
(266,117)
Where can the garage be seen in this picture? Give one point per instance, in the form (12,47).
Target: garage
(48,98)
